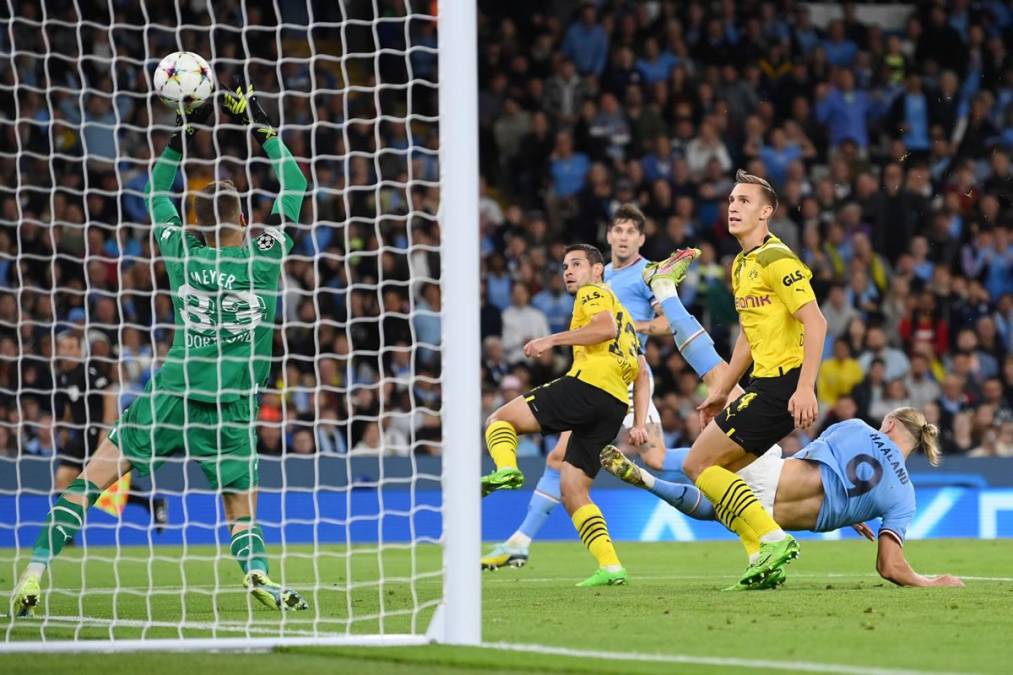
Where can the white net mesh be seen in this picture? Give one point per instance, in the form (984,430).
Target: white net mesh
(349,493)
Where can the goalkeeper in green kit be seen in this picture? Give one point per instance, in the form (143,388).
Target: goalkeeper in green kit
(203,402)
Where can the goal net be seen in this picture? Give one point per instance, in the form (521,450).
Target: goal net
(366,431)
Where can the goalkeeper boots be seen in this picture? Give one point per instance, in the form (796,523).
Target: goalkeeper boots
(27,595)
(602,577)
(507,478)
(774,556)
(273,595)
(673,268)
(504,556)
(617,464)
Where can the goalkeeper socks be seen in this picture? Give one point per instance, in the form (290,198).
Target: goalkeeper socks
(501,440)
(691,339)
(736,507)
(545,498)
(594,534)
(248,546)
(64,521)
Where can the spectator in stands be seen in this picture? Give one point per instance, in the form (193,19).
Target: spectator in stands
(555,303)
(839,374)
(586,42)
(876,348)
(568,168)
(920,383)
(869,394)
(521,323)
(844,109)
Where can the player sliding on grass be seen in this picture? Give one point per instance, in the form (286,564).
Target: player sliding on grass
(624,276)
(202,403)
(850,474)
(591,401)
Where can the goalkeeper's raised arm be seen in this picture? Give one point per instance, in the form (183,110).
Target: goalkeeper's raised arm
(241,105)
(163,174)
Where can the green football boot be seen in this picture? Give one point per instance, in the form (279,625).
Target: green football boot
(773,556)
(619,465)
(26,597)
(507,478)
(672,268)
(603,577)
(504,556)
(273,595)
(771,582)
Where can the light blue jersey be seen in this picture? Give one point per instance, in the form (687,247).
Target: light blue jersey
(863,478)
(635,295)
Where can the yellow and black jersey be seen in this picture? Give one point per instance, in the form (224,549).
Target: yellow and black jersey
(610,365)
(771,284)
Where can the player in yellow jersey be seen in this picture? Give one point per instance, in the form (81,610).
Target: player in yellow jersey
(590,401)
(782,335)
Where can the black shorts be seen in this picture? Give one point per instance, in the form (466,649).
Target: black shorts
(82,445)
(759,418)
(593,415)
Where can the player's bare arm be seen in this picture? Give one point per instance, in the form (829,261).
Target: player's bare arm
(641,399)
(803,404)
(894,567)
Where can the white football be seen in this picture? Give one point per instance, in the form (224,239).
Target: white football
(183,80)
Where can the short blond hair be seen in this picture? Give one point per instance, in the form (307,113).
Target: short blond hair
(749,179)
(925,435)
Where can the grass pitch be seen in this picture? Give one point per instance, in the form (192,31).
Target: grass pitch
(833,614)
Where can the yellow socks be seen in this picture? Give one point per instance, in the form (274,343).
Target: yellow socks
(594,534)
(737,508)
(501,439)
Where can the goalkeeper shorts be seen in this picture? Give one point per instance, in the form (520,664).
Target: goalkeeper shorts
(219,436)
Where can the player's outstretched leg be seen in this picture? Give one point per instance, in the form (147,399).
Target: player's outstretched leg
(674,266)
(501,432)
(250,551)
(590,525)
(63,522)
(691,339)
(684,497)
(514,551)
(736,506)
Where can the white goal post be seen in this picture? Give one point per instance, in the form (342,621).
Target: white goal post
(386,548)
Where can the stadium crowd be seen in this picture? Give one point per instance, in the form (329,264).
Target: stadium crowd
(890,149)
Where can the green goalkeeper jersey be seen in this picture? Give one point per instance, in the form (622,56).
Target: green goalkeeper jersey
(224,299)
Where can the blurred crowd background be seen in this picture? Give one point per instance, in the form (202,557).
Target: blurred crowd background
(887,132)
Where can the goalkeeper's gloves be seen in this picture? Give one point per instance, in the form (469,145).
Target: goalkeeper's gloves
(243,107)
(186,125)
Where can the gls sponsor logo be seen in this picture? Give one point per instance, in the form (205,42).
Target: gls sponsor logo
(789,279)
